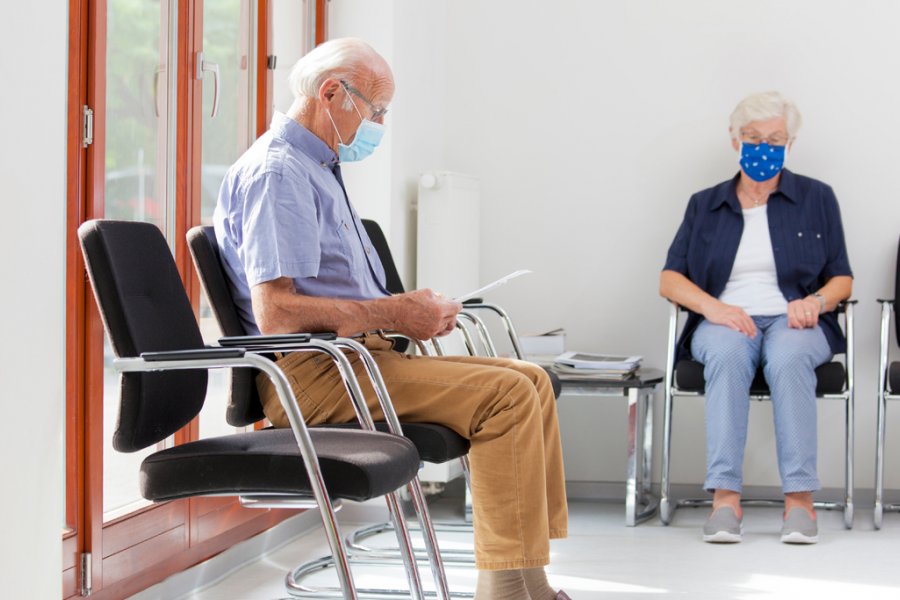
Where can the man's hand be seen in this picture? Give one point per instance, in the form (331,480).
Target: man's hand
(424,314)
(803,313)
(730,316)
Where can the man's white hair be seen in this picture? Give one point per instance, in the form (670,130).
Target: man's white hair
(343,58)
(762,107)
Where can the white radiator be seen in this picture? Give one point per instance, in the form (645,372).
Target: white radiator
(448,233)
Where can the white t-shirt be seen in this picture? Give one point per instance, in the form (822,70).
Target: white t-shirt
(753,283)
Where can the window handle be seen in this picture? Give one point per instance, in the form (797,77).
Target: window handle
(202,67)
(160,71)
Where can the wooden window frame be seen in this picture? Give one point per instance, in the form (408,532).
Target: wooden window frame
(199,527)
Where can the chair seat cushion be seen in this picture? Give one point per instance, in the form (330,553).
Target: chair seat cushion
(355,465)
(435,443)
(894,377)
(689,378)
(555,383)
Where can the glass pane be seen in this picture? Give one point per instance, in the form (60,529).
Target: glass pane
(136,183)
(289,19)
(227,43)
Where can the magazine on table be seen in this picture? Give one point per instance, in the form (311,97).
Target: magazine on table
(568,373)
(603,362)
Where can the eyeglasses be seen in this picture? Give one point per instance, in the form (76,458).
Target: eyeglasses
(378,112)
(754,137)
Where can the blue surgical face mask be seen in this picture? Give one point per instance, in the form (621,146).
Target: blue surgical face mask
(368,136)
(762,162)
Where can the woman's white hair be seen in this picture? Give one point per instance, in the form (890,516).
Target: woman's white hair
(762,107)
(343,58)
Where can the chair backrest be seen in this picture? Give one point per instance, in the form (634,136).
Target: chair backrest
(394,283)
(144,309)
(244,406)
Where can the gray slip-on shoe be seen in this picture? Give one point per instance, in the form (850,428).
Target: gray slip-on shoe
(799,527)
(723,527)
(562,596)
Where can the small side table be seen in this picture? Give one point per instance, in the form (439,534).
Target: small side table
(640,504)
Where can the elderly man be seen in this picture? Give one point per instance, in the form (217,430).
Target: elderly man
(299,259)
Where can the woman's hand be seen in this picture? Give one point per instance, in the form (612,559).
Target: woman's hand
(803,313)
(730,316)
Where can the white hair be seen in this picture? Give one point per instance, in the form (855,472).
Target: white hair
(344,58)
(762,107)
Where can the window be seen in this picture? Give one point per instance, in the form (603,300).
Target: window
(164,96)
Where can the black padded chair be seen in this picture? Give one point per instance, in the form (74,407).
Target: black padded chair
(435,443)
(684,378)
(888,389)
(163,365)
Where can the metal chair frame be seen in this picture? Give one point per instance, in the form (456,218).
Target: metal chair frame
(405,552)
(884,394)
(414,491)
(668,505)
(239,357)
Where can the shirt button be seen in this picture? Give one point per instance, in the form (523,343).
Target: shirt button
(818,236)
(799,234)
(347,227)
(368,250)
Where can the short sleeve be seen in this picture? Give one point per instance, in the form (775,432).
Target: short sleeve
(677,258)
(280,234)
(837,263)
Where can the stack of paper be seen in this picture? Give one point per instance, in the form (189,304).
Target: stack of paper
(583,365)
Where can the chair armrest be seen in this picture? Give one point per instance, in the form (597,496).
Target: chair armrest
(325,343)
(195,354)
(483,334)
(843,305)
(477,304)
(262,342)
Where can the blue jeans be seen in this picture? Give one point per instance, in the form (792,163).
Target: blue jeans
(789,358)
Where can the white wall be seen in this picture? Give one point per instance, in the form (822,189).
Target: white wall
(370,182)
(591,123)
(32,244)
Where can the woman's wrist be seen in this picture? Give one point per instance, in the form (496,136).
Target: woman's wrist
(820,300)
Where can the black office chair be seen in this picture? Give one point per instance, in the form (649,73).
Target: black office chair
(163,364)
(888,389)
(684,378)
(435,443)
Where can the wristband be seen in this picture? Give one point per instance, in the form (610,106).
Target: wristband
(821,300)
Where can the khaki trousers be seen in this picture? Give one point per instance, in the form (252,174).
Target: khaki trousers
(505,407)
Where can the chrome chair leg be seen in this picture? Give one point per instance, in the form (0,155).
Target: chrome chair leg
(355,539)
(878,513)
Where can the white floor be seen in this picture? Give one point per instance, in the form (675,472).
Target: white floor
(603,559)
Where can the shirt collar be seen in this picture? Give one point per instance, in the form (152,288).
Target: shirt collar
(787,187)
(303,139)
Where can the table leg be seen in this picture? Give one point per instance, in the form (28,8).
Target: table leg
(640,452)
(646,487)
(631,492)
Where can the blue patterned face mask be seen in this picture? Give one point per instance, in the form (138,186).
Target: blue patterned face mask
(762,161)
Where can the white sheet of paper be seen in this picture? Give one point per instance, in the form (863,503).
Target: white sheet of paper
(482,290)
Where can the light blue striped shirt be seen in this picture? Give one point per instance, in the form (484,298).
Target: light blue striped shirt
(283,213)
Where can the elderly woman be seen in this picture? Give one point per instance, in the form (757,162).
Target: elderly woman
(760,262)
